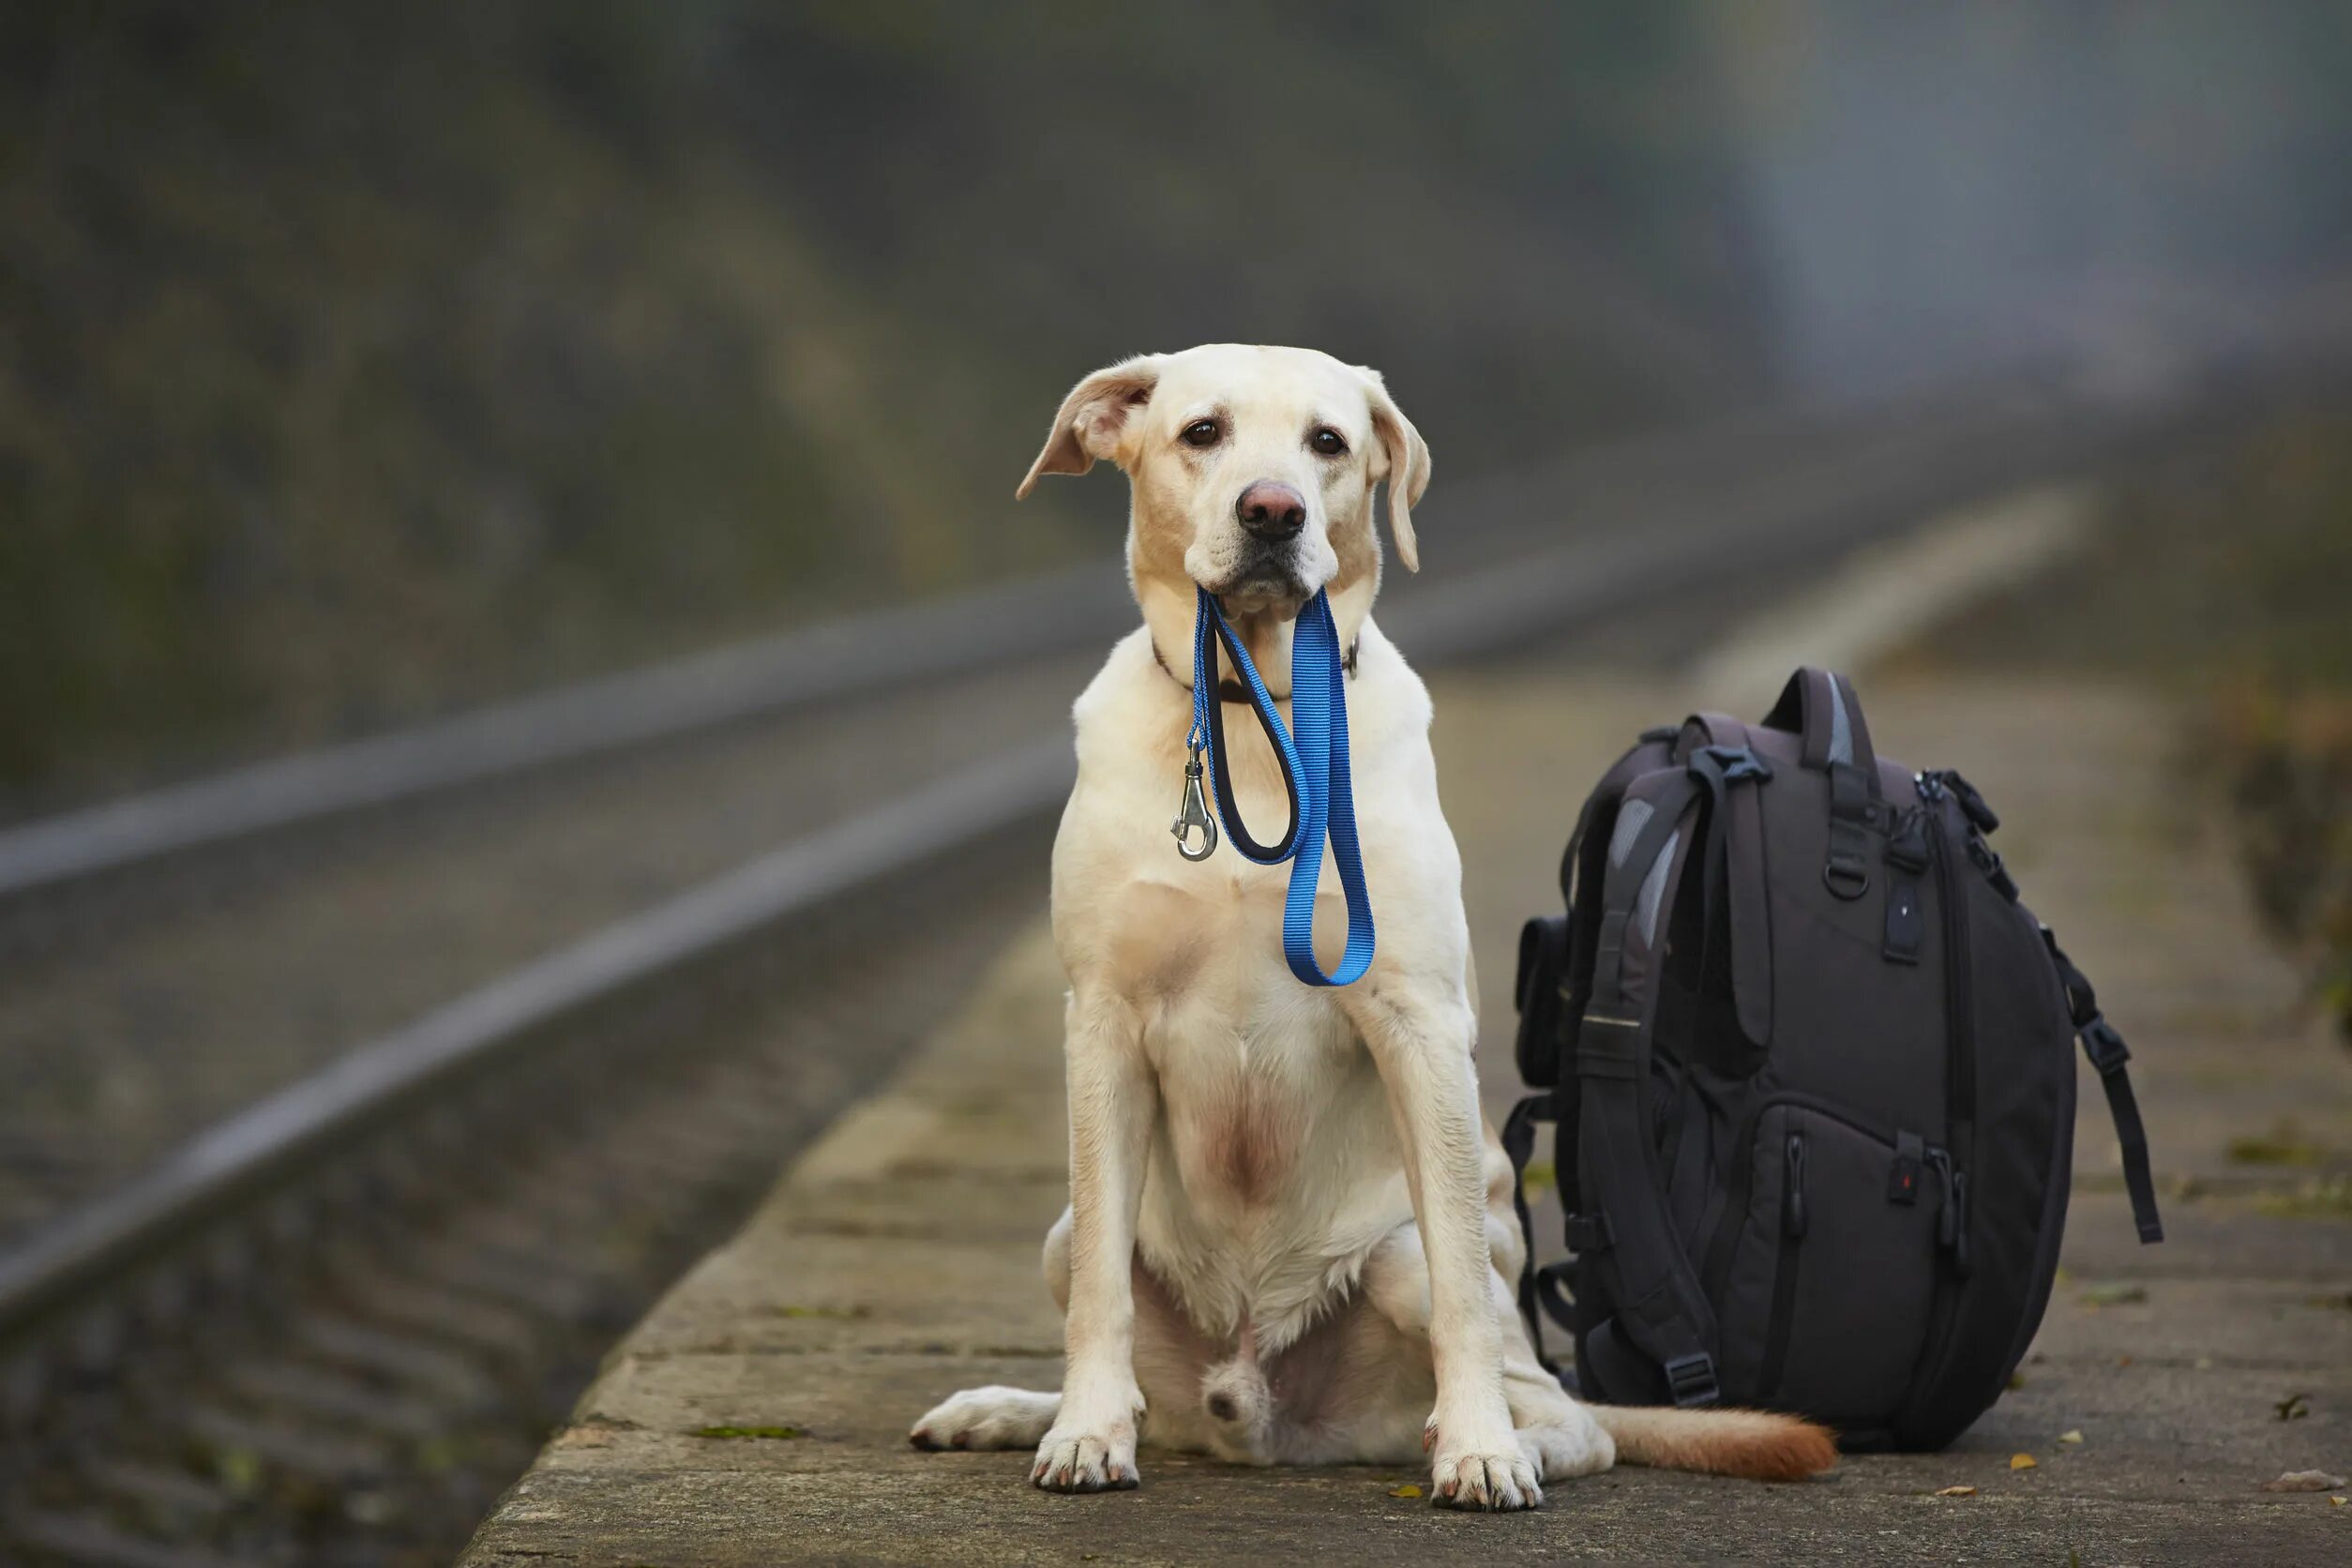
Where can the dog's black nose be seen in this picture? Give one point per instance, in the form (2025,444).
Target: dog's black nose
(1272,510)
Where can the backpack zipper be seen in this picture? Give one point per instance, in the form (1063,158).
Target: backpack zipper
(1793,1223)
(1960,1080)
(1959,1010)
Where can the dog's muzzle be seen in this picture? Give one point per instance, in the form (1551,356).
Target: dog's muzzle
(1266,576)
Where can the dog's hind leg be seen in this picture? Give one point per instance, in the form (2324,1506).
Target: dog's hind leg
(996,1416)
(1560,1436)
(991,1417)
(1174,1365)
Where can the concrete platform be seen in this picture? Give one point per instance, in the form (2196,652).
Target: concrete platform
(758,1415)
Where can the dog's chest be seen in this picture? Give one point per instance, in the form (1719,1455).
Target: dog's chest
(1275,1129)
(1253,1066)
(1244,1105)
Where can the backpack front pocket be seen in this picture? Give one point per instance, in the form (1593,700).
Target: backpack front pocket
(1829,1282)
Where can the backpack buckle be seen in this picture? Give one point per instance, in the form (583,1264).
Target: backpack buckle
(1737,763)
(1587,1233)
(2103,1045)
(1691,1380)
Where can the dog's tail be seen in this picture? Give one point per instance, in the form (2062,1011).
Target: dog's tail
(1756,1445)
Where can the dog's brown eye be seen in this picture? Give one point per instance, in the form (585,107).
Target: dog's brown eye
(1201,432)
(1327,441)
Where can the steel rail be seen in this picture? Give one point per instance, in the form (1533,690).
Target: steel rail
(853,658)
(317,1117)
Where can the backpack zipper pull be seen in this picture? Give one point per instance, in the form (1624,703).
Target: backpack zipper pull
(1960,1222)
(1988,860)
(1952,1217)
(1792,1188)
(1971,802)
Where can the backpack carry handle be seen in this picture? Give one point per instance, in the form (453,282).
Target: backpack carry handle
(1820,705)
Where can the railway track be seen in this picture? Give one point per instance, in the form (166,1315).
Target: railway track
(345,1367)
(331,1323)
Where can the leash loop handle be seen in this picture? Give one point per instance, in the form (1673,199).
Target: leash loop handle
(1315,768)
(1209,731)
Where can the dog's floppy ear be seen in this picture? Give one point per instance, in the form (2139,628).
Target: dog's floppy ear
(1405,465)
(1092,417)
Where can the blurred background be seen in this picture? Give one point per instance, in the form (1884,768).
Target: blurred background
(365,366)
(364,362)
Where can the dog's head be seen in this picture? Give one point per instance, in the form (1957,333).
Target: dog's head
(1253,469)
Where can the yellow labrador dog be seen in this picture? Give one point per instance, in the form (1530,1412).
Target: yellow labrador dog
(1289,1231)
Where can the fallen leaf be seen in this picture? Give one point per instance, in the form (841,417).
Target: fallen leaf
(1957,1492)
(2335,1502)
(1407,1490)
(2293,1408)
(2205,1364)
(2016,1381)
(2123,1361)
(2114,1294)
(2023,1461)
(2075,1435)
(2305,1481)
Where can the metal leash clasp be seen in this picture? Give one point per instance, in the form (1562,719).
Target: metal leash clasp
(1193,812)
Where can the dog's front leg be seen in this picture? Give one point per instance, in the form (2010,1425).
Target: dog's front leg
(1423,1047)
(1113,1099)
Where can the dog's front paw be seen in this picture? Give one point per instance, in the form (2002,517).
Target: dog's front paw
(1074,1459)
(1475,1469)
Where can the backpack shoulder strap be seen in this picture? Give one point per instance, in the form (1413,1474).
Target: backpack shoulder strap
(1652,750)
(1518,1144)
(1660,1306)
(1715,746)
(2107,1053)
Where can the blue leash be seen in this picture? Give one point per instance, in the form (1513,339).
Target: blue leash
(1314,770)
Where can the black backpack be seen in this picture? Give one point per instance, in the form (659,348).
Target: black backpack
(1809,1060)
